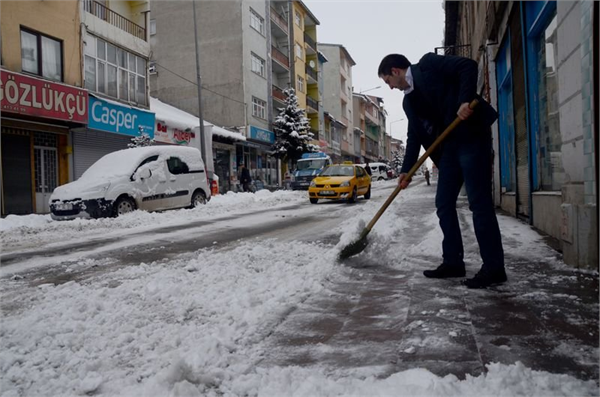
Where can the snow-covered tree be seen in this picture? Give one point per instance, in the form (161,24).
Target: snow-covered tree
(397,160)
(143,139)
(292,130)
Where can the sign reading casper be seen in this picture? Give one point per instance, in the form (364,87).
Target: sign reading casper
(35,97)
(108,116)
(258,134)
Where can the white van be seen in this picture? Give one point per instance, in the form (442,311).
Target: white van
(379,171)
(149,178)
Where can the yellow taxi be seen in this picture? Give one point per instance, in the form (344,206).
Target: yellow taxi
(344,181)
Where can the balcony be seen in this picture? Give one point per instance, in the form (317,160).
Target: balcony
(117,20)
(282,62)
(278,94)
(310,72)
(312,44)
(279,27)
(311,103)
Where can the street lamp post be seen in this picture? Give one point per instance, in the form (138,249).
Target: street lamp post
(370,89)
(395,121)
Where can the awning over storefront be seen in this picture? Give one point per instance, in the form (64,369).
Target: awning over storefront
(177,118)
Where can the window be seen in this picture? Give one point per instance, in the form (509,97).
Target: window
(114,71)
(258,65)
(41,55)
(299,52)
(550,141)
(298,19)
(152,27)
(259,108)
(300,84)
(257,22)
(176,166)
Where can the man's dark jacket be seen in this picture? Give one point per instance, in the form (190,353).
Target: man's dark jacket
(441,84)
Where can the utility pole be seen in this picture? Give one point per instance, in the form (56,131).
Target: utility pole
(199,84)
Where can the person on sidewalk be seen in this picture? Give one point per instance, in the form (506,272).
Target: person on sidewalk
(427,176)
(245,178)
(368,168)
(437,89)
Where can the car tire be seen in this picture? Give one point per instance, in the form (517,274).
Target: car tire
(314,200)
(123,205)
(352,198)
(368,193)
(198,199)
(381,178)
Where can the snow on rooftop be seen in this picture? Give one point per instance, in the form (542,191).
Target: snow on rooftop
(182,120)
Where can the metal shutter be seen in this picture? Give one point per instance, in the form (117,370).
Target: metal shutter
(90,146)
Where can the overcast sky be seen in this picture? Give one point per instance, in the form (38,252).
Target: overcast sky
(372,29)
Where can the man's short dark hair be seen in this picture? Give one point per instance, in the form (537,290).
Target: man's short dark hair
(392,61)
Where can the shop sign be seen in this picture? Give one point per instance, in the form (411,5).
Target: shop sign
(165,134)
(41,98)
(261,135)
(124,120)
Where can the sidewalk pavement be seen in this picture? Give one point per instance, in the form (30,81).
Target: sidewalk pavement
(389,317)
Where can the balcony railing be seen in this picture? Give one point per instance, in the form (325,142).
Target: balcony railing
(108,15)
(279,20)
(280,57)
(312,103)
(311,72)
(310,41)
(278,93)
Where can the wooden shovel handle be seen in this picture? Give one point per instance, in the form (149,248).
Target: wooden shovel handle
(415,167)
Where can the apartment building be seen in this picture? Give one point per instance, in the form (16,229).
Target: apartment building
(538,64)
(305,68)
(114,61)
(42,100)
(369,122)
(245,64)
(337,97)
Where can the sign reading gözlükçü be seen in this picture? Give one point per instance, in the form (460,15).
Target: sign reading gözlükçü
(124,120)
(42,98)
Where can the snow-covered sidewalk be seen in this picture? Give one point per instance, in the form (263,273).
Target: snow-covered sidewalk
(206,325)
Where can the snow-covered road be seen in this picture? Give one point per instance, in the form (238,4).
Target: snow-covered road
(206,321)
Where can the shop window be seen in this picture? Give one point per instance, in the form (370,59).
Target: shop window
(41,55)
(115,72)
(550,142)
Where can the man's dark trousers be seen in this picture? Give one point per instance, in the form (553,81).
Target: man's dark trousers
(466,162)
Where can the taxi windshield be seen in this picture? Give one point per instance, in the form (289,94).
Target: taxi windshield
(338,170)
(313,164)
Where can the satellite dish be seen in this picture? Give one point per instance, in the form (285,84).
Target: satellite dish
(312,64)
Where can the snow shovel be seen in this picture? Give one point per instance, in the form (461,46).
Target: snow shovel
(358,246)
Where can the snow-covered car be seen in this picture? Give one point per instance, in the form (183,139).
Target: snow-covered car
(379,171)
(149,178)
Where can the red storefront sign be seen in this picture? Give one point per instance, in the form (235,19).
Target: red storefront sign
(34,97)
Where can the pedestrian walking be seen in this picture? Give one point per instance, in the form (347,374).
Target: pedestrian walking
(437,89)
(245,178)
(427,176)
(368,168)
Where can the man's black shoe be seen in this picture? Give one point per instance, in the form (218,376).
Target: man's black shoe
(484,279)
(445,271)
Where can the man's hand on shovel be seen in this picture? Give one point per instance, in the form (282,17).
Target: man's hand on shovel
(403,181)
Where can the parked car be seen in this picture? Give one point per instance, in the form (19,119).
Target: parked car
(149,178)
(380,171)
(340,181)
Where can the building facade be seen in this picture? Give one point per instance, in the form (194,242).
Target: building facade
(42,100)
(538,63)
(337,98)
